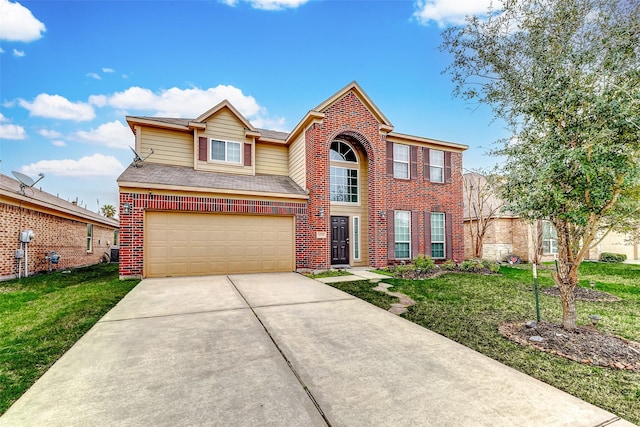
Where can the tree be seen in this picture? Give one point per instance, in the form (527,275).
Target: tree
(565,77)
(108,210)
(481,206)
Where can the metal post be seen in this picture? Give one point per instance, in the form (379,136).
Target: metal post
(535,287)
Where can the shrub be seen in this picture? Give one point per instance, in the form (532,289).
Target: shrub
(476,265)
(424,263)
(448,265)
(611,257)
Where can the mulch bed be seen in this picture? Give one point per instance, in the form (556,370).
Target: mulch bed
(584,344)
(583,294)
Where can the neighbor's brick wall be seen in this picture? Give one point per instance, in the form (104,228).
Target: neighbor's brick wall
(349,117)
(132,224)
(65,236)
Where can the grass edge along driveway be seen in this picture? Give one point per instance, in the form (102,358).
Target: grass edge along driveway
(468,308)
(42,316)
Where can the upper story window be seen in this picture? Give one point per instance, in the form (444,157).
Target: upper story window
(343,179)
(401,161)
(225,151)
(549,238)
(343,152)
(436,160)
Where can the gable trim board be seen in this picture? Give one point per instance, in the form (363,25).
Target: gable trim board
(287,175)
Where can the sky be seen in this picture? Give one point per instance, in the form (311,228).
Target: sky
(71,71)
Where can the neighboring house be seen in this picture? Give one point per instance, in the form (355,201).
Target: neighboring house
(80,237)
(507,234)
(220,196)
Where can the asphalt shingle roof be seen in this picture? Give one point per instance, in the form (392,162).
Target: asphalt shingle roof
(184,176)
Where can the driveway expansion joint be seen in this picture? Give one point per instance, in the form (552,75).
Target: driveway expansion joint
(186,313)
(286,359)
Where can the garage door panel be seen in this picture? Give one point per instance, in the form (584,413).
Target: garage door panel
(183,244)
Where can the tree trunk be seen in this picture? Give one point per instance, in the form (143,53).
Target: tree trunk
(478,252)
(567,276)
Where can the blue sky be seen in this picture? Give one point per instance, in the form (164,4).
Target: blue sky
(70,71)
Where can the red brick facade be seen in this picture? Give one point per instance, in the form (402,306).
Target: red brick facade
(350,120)
(66,236)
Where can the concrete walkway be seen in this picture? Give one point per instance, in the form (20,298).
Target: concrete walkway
(285,350)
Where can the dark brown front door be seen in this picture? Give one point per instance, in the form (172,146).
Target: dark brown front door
(339,240)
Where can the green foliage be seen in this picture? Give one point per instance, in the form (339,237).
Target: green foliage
(477,265)
(565,77)
(448,264)
(329,273)
(424,263)
(108,210)
(611,257)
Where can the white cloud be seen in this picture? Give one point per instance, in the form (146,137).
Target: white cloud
(113,135)
(278,123)
(3,118)
(59,143)
(1,50)
(108,70)
(447,12)
(51,134)
(18,24)
(268,4)
(177,102)
(18,53)
(58,107)
(97,165)
(9,131)
(94,76)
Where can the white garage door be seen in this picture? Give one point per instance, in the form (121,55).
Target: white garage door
(196,244)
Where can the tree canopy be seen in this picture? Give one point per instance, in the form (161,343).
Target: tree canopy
(565,77)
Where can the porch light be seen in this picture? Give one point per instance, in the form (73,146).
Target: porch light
(594,319)
(126,208)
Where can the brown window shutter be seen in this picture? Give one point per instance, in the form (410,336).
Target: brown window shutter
(391,235)
(247,154)
(389,158)
(202,148)
(448,231)
(447,167)
(413,157)
(427,232)
(415,239)
(427,171)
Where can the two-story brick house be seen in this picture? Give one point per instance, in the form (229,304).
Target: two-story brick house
(220,196)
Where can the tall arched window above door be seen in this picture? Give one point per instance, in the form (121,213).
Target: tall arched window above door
(343,173)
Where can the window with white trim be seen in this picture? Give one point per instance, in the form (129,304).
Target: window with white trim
(343,180)
(89,237)
(549,238)
(437,235)
(225,151)
(402,230)
(401,161)
(436,165)
(356,237)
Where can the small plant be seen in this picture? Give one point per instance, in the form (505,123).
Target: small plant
(449,264)
(424,263)
(477,265)
(611,257)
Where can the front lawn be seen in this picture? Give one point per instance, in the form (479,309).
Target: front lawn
(43,316)
(468,308)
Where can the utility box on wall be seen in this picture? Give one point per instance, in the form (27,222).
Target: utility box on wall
(26,236)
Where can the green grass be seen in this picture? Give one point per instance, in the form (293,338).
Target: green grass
(363,289)
(43,316)
(468,308)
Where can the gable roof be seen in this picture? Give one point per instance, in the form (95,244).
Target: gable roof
(10,191)
(357,90)
(225,104)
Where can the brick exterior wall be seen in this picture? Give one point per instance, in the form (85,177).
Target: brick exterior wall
(349,119)
(65,236)
(132,223)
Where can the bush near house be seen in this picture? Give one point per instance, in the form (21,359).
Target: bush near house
(611,257)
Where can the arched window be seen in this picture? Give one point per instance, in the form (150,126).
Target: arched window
(343,180)
(343,152)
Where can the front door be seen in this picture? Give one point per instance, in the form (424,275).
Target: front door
(339,240)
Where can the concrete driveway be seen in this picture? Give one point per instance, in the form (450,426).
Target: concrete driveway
(285,350)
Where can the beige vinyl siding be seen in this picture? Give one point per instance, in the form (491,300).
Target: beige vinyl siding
(169,147)
(225,126)
(298,161)
(272,159)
